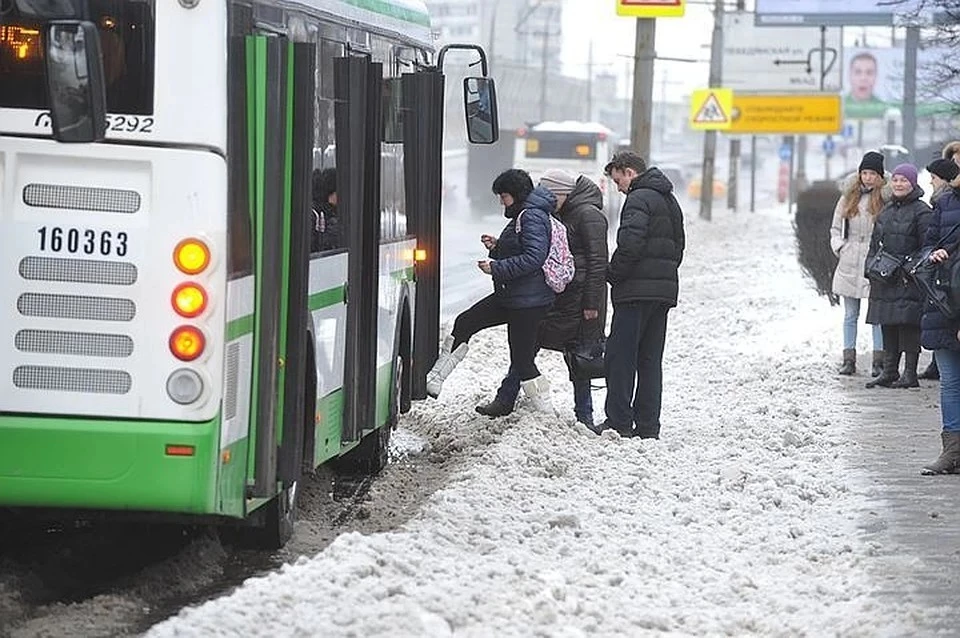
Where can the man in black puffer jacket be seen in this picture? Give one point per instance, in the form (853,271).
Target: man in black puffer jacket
(644,287)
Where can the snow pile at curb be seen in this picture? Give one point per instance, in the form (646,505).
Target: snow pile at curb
(742,520)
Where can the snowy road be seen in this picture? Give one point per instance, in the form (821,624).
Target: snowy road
(743,520)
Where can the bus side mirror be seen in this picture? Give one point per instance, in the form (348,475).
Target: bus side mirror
(76,90)
(480,104)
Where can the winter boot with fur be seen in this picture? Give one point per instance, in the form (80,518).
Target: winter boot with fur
(932,373)
(909,377)
(949,460)
(445,364)
(537,391)
(877,368)
(849,362)
(891,367)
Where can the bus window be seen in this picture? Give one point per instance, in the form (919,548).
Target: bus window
(126,39)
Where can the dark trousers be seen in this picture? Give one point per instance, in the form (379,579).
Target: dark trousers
(522,326)
(901,338)
(633,365)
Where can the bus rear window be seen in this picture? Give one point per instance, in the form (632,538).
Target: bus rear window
(126,37)
(561,146)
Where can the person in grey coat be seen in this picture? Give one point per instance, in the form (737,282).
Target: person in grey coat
(897,305)
(853,218)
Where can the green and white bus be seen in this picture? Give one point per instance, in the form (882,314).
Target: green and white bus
(168,343)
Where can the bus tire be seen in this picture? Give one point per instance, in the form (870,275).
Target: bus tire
(372,453)
(273,525)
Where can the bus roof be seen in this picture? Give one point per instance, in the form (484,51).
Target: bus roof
(409,18)
(571,126)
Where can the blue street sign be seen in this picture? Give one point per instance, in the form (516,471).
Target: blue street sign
(847,131)
(829,146)
(785,152)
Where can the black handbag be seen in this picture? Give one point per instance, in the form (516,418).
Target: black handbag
(884,266)
(584,357)
(938,281)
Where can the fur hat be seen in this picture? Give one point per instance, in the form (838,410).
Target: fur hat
(872,161)
(945,169)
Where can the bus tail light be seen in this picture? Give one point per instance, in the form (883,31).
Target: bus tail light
(189,300)
(180,450)
(191,256)
(187,343)
(184,386)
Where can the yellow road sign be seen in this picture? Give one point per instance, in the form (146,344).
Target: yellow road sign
(711,109)
(651,8)
(812,113)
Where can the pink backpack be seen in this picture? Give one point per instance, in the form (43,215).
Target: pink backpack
(558,269)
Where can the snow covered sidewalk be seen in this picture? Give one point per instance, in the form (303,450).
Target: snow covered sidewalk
(742,520)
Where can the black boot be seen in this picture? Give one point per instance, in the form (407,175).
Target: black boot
(932,372)
(849,362)
(877,369)
(891,365)
(495,408)
(909,377)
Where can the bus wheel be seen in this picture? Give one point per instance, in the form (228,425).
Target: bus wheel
(275,525)
(372,454)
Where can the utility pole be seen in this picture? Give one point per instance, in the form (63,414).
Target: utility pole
(710,137)
(911,45)
(644,55)
(590,83)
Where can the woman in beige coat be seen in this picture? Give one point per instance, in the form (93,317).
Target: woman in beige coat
(853,218)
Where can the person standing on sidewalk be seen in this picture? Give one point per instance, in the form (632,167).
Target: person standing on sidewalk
(901,230)
(943,174)
(580,311)
(644,280)
(850,232)
(941,334)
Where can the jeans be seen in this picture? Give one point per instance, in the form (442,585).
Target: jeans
(582,397)
(634,366)
(851,316)
(522,326)
(949,363)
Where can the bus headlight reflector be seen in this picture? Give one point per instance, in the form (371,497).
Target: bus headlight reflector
(187,343)
(189,300)
(184,386)
(191,256)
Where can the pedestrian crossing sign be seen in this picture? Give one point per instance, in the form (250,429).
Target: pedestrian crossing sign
(710,109)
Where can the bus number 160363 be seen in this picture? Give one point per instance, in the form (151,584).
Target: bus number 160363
(88,242)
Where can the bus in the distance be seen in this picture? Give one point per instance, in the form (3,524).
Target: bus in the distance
(169,344)
(580,148)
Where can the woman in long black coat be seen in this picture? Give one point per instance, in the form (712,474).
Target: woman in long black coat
(897,306)
(579,312)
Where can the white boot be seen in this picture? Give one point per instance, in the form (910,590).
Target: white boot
(537,390)
(445,364)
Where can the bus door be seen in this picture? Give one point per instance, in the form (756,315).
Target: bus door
(279,117)
(423,157)
(358,88)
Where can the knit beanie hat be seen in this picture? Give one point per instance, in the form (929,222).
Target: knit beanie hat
(558,182)
(872,161)
(908,171)
(945,169)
